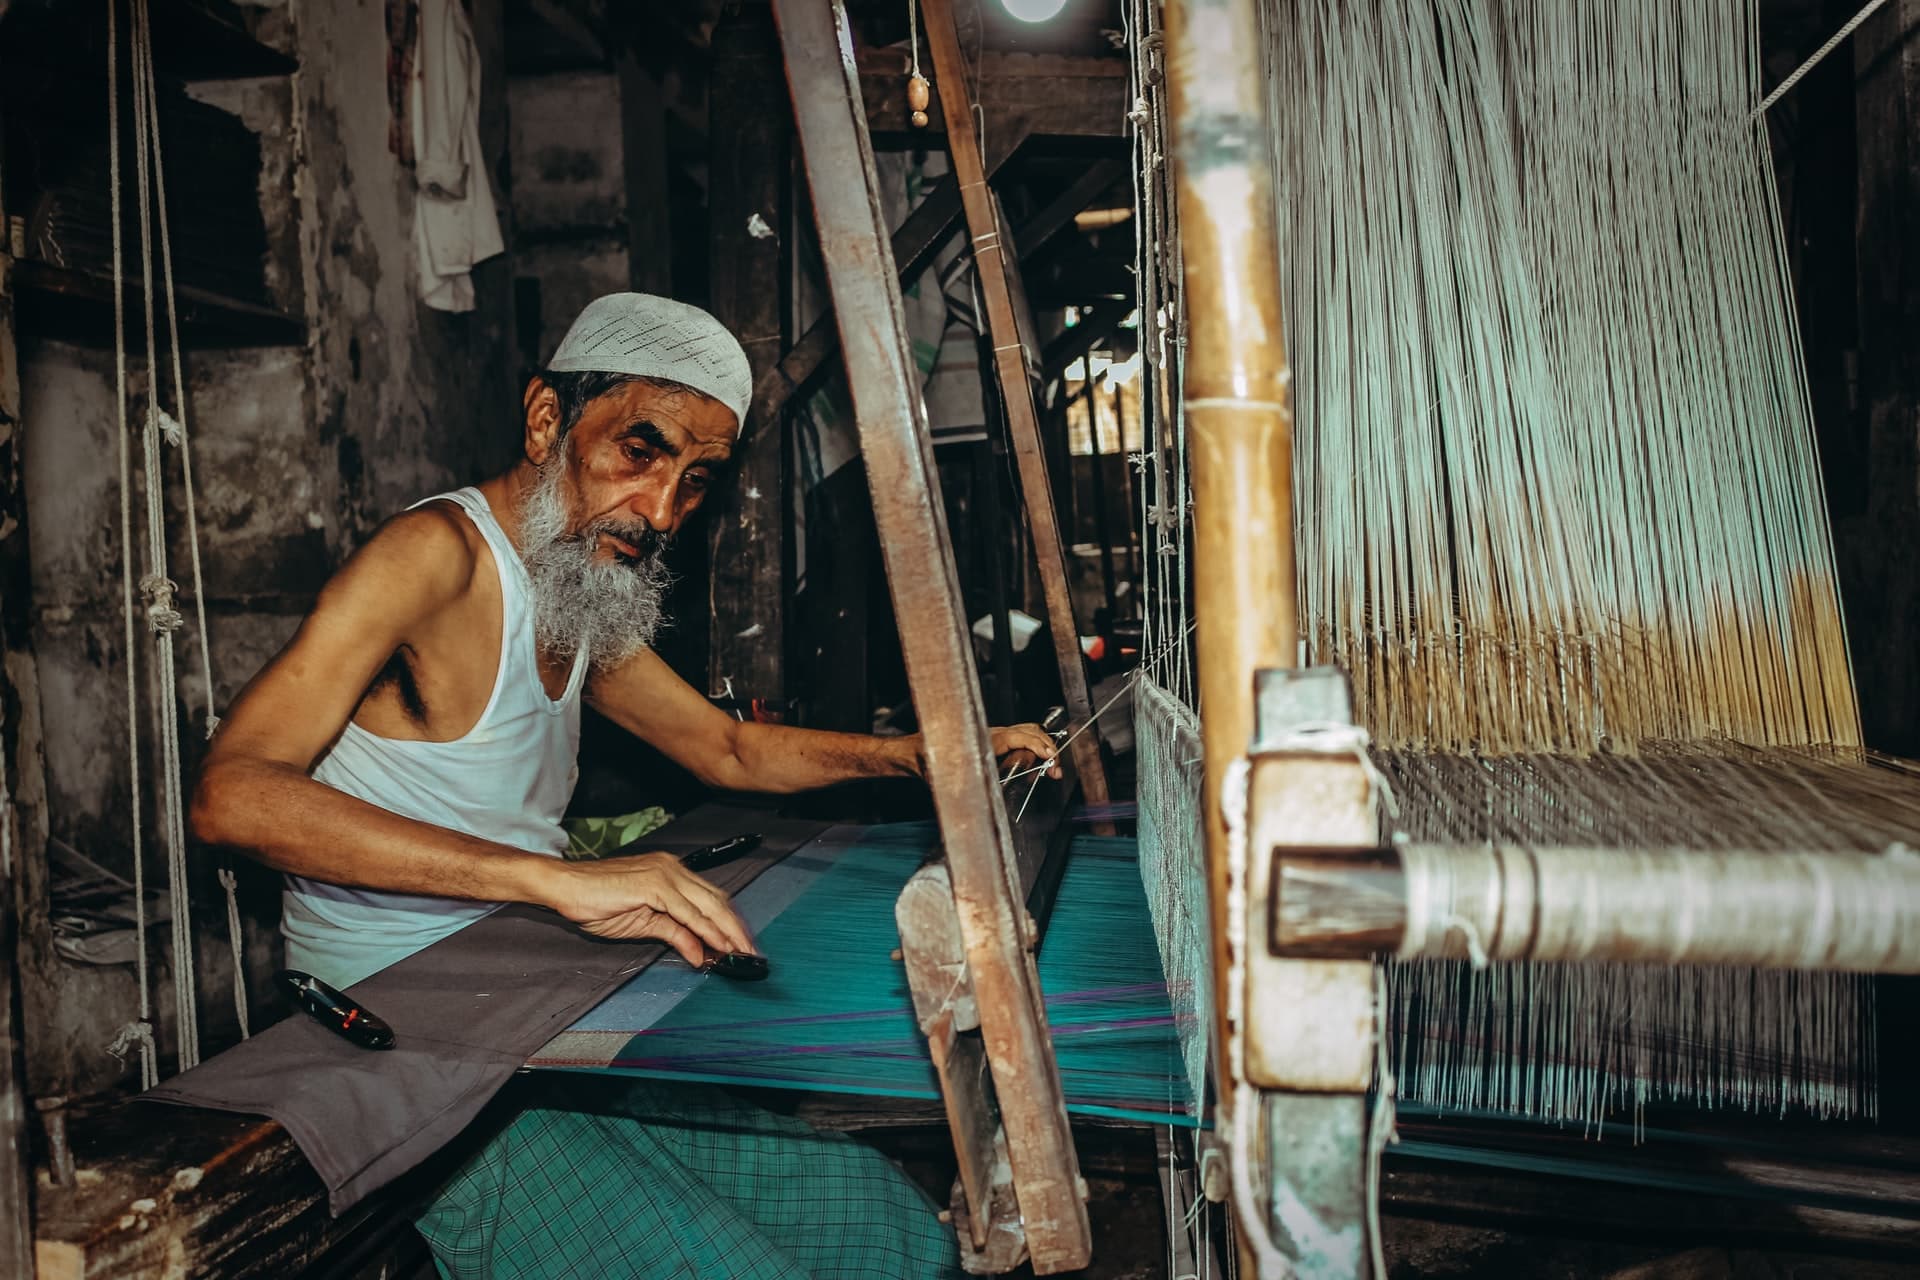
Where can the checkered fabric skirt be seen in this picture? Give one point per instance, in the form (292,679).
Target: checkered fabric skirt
(663,1181)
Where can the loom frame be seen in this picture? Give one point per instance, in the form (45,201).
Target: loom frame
(980,921)
(991,266)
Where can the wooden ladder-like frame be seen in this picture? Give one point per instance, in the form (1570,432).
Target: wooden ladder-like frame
(967,937)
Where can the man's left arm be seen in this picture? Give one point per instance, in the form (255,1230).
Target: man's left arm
(645,697)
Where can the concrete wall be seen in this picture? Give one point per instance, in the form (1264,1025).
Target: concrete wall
(299,451)
(569,194)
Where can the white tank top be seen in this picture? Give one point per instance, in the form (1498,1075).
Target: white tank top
(508,779)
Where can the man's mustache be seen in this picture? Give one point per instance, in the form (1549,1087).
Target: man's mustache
(639,535)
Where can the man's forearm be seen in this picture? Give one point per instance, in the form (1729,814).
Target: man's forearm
(278,815)
(780,759)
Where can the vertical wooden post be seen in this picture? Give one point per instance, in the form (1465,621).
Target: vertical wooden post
(1883,597)
(22,836)
(991,533)
(747,145)
(643,146)
(980,860)
(1100,521)
(1016,389)
(16,1169)
(1132,524)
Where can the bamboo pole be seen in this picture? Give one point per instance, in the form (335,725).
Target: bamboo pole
(1239,416)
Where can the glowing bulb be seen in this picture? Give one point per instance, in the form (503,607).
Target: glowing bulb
(1033,10)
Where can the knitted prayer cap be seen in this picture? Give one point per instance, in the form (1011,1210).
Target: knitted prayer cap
(653,337)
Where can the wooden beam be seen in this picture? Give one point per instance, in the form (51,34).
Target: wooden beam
(22,833)
(1053,217)
(1051,96)
(1016,392)
(915,243)
(937,645)
(169,1191)
(748,146)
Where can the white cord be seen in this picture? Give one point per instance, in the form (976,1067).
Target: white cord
(1785,86)
(156,587)
(175,800)
(1380,1125)
(162,618)
(140,1031)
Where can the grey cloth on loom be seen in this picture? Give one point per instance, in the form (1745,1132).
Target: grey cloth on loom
(465,1012)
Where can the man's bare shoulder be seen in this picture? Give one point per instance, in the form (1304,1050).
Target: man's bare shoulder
(417,562)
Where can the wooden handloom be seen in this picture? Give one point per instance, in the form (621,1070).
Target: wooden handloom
(1302,893)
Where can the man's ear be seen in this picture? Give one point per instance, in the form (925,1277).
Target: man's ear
(542,421)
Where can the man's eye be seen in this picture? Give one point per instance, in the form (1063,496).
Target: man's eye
(638,453)
(696,481)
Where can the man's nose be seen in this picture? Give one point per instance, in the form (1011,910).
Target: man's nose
(654,504)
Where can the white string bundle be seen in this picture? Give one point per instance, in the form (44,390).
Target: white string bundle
(156,587)
(1557,484)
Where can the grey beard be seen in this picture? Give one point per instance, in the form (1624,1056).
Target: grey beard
(611,608)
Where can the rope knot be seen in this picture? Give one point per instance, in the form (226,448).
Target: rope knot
(172,430)
(138,1033)
(162,617)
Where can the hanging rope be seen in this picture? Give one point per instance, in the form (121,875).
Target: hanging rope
(140,1031)
(175,433)
(156,588)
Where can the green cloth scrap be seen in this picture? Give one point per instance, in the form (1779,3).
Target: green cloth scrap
(589,838)
(633,1178)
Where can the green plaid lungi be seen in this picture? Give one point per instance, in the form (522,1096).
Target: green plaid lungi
(632,1178)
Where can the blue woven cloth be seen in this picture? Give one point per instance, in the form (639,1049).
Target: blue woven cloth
(633,1178)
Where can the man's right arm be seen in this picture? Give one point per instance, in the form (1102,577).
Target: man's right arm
(255,793)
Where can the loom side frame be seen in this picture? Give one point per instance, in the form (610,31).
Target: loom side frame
(1016,386)
(981,862)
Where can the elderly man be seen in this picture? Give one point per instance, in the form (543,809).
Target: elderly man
(407,760)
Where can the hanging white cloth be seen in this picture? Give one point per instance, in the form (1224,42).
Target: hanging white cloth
(455,224)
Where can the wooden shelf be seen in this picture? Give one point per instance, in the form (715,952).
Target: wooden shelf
(58,302)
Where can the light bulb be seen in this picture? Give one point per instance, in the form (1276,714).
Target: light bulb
(1033,10)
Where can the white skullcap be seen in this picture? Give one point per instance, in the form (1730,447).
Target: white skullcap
(652,337)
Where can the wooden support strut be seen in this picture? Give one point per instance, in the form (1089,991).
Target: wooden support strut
(934,636)
(748,149)
(1016,389)
(22,839)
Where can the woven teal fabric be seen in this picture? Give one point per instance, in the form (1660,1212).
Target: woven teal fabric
(836,1015)
(637,1179)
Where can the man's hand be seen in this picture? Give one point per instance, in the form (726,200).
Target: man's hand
(1023,745)
(650,895)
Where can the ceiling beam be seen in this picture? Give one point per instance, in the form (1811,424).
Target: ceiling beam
(1053,95)
(1058,212)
